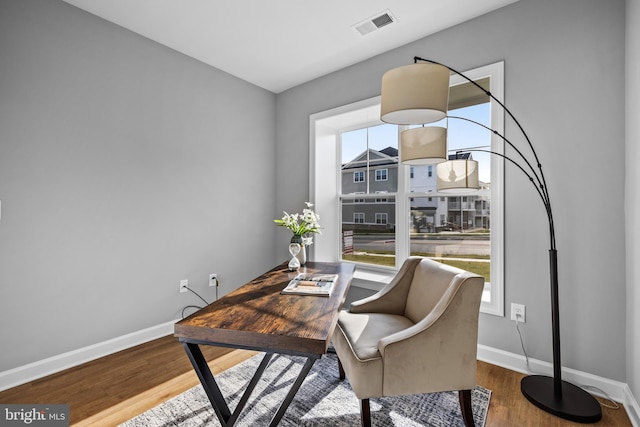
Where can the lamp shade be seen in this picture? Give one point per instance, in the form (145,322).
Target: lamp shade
(415,94)
(457,176)
(423,146)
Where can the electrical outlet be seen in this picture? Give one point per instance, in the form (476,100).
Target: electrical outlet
(517,312)
(184,284)
(213,279)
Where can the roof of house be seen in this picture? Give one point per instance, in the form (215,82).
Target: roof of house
(460,156)
(390,151)
(386,156)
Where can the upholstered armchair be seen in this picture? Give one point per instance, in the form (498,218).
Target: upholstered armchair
(417,335)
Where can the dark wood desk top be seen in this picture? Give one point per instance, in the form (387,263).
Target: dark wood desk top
(257,316)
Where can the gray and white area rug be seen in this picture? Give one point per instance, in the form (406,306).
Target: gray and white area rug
(323,400)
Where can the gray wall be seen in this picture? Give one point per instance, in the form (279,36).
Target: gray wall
(632,193)
(124,167)
(564,80)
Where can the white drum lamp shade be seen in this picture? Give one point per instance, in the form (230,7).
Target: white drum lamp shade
(415,94)
(457,176)
(423,146)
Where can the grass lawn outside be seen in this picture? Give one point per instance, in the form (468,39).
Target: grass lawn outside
(474,263)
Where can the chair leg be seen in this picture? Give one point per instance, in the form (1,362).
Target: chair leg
(365,413)
(465,406)
(341,370)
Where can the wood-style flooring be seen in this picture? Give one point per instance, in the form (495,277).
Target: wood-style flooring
(113,389)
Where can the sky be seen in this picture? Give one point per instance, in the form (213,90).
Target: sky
(460,134)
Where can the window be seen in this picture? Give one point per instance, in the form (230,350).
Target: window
(429,171)
(358,176)
(381,174)
(414,213)
(374,149)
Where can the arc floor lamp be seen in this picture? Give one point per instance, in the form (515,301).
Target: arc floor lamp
(419,94)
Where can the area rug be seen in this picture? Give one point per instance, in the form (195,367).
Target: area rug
(323,400)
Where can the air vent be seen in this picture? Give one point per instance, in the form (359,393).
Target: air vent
(378,21)
(382,20)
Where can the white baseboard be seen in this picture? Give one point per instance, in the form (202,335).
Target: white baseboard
(632,407)
(603,387)
(51,365)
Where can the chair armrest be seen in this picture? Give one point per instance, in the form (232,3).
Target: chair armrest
(392,298)
(439,352)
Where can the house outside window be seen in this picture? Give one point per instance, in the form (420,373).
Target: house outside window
(381,174)
(358,217)
(358,176)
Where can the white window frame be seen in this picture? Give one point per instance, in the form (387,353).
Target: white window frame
(359,173)
(325,188)
(384,218)
(357,216)
(383,171)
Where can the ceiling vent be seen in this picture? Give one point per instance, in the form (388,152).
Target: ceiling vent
(378,21)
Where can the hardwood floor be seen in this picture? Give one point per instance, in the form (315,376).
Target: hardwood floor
(113,389)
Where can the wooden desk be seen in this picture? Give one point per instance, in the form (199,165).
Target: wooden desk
(258,317)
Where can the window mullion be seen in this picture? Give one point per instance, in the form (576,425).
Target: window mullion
(402,208)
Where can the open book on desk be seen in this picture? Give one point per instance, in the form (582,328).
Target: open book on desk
(311,284)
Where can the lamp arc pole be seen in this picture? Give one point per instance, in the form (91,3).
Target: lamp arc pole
(551,394)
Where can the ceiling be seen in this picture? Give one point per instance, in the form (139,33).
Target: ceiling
(279,44)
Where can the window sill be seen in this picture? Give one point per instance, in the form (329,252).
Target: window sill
(372,279)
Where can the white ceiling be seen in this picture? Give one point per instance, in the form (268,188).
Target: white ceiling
(279,44)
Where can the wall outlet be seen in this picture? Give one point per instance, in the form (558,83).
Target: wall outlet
(184,284)
(213,279)
(517,312)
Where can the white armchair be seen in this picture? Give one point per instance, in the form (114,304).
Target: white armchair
(417,335)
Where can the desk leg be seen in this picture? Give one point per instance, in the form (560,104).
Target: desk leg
(252,384)
(217,399)
(213,391)
(292,391)
(208,383)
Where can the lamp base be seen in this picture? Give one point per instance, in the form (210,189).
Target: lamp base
(575,404)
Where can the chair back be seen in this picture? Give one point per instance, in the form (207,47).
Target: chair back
(431,279)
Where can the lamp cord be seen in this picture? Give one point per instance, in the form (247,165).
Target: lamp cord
(197,307)
(614,404)
(196,294)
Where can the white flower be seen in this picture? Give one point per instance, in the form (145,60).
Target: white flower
(308,222)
